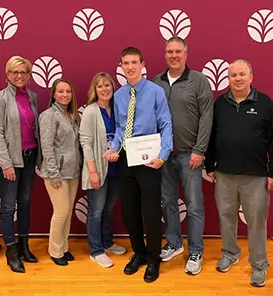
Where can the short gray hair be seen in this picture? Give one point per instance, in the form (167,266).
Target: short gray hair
(179,40)
(242,61)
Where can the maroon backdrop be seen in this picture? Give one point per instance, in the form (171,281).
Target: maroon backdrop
(78,39)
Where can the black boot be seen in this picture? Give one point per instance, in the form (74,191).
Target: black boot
(24,251)
(13,259)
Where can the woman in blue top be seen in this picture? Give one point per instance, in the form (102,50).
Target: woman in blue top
(99,177)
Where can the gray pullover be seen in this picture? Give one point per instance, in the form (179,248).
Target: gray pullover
(60,145)
(191,103)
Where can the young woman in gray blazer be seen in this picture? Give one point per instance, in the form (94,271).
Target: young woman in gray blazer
(19,154)
(99,177)
(61,166)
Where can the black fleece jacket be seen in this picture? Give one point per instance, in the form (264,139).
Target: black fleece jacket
(241,138)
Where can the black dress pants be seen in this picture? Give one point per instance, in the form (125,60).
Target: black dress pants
(140,195)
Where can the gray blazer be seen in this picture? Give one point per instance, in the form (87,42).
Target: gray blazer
(10,130)
(60,145)
(93,139)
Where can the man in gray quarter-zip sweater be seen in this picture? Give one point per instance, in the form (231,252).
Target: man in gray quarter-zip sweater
(191,103)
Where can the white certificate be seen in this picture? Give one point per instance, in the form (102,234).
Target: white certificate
(141,150)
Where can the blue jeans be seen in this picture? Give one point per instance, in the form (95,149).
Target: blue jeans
(100,206)
(17,191)
(177,167)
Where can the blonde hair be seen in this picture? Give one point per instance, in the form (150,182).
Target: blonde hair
(72,106)
(15,61)
(92,94)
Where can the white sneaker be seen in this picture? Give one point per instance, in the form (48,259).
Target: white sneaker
(168,252)
(103,260)
(194,264)
(116,249)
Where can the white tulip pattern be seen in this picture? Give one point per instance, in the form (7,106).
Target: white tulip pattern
(88,24)
(121,78)
(241,215)
(182,210)
(81,109)
(15,213)
(175,23)
(217,73)
(45,71)
(8,24)
(205,176)
(81,209)
(260,26)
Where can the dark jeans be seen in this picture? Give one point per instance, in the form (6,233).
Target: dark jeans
(139,189)
(17,191)
(100,206)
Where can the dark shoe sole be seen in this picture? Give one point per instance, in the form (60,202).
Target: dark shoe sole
(14,270)
(29,261)
(34,260)
(130,272)
(58,263)
(69,257)
(150,280)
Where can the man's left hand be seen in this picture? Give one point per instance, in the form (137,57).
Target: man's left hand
(196,160)
(270,183)
(155,163)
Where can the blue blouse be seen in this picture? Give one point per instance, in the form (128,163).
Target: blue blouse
(110,126)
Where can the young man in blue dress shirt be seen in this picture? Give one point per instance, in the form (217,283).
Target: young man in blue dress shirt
(139,186)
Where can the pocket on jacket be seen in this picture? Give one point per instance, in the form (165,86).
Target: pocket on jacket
(61,162)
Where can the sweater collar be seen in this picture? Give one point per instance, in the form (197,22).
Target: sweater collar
(252,96)
(60,107)
(184,75)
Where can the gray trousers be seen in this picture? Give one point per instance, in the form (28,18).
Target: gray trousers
(251,192)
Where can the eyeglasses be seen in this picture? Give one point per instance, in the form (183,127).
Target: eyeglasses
(17,73)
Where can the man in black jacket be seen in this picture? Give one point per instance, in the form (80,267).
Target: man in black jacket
(240,157)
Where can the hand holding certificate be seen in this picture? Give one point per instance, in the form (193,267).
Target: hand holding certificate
(107,148)
(143,149)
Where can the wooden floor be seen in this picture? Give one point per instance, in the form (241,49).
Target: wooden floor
(84,277)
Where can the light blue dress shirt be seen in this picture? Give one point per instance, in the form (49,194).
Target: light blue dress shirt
(152,114)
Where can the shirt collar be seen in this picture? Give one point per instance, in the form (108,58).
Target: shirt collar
(138,86)
(22,91)
(184,75)
(60,107)
(251,96)
(17,91)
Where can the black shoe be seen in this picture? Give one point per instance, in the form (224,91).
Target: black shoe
(68,256)
(23,249)
(60,261)
(135,262)
(152,272)
(13,259)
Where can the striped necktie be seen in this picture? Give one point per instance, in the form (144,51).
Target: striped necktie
(130,117)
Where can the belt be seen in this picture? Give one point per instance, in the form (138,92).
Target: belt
(28,152)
